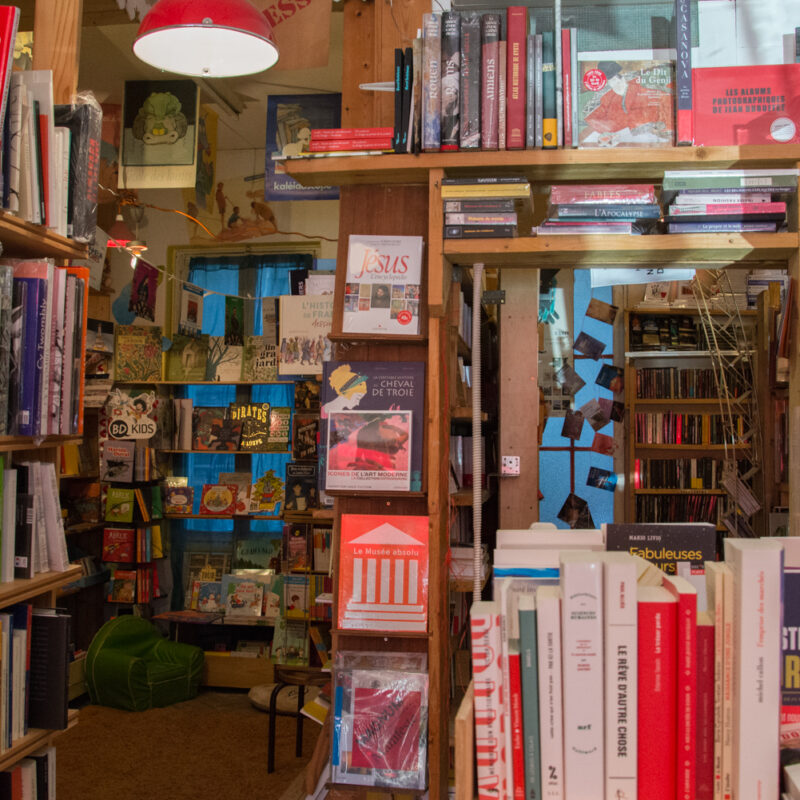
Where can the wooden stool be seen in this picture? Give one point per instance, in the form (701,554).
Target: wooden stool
(291,676)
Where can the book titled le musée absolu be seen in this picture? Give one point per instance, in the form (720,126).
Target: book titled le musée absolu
(382,285)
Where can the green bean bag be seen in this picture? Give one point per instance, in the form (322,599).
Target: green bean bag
(130,665)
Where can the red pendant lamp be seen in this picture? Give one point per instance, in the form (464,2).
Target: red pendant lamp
(206,38)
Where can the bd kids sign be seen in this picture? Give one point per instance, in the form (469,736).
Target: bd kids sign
(130,417)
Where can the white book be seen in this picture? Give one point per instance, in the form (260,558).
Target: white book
(621,674)
(551,712)
(61,147)
(19,645)
(555,538)
(28,768)
(757,568)
(582,672)
(40,84)
(383,281)
(715,575)
(40,556)
(14,141)
(487,683)
(9,525)
(30,205)
(58,558)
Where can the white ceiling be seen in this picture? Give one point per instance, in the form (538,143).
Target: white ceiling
(107,61)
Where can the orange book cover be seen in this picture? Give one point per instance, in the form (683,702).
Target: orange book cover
(383,573)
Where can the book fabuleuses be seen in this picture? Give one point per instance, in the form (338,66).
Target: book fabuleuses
(382,285)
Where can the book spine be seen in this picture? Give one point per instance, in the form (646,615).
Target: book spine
(431,82)
(335,145)
(757,567)
(81,275)
(490,55)
(574,84)
(538,113)
(517,741)
(502,95)
(620,676)
(562,194)
(557,67)
(516,76)
(487,682)
(46,334)
(398,107)
(551,719)
(529,669)
(530,91)
(473,218)
(408,89)
(790,647)
(727,208)
(582,668)
(480,231)
(604,211)
(415,111)
(566,81)
(657,704)
(470,88)
(451,78)
(719,226)
(686,689)
(549,119)
(733,182)
(318,134)
(31,357)
(683,72)
(476,206)
(704,753)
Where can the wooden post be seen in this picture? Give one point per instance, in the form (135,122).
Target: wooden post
(57,44)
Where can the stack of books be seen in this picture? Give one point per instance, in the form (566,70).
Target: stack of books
(601,208)
(485,207)
(344,140)
(741,200)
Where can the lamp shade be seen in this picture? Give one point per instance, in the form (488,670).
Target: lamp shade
(119,234)
(206,38)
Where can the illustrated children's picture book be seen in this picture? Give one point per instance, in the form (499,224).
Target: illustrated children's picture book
(254,419)
(297,546)
(259,359)
(119,545)
(290,642)
(626,104)
(214,429)
(368,450)
(301,486)
(382,285)
(304,324)
(224,361)
(280,429)
(218,498)
(119,504)
(187,358)
(242,596)
(243,482)
(383,573)
(178,499)
(266,493)
(295,596)
(116,460)
(306,395)
(137,353)
(396,388)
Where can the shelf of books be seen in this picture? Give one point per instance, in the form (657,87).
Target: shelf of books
(23,239)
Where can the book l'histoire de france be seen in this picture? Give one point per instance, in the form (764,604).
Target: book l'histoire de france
(382,285)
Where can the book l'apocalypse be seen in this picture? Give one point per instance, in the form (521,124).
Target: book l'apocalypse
(382,285)
(387,389)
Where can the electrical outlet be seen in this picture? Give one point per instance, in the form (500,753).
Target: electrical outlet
(509,466)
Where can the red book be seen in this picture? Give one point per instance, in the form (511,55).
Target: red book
(516,60)
(119,545)
(728,208)
(657,722)
(331,145)
(754,104)
(9,21)
(603,193)
(317,134)
(566,82)
(517,745)
(686,595)
(704,751)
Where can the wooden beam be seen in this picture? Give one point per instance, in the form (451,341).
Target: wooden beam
(57,26)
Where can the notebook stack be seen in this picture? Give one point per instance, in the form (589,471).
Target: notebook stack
(485,207)
(723,201)
(601,208)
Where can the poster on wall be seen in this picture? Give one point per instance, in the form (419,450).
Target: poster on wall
(290,119)
(199,200)
(159,134)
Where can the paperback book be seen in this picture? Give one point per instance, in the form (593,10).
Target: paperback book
(214,429)
(305,430)
(224,361)
(254,419)
(116,460)
(382,285)
(301,486)
(259,359)
(389,387)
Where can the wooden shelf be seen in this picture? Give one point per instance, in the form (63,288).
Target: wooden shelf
(381,634)
(32,741)
(25,588)
(729,249)
(463,497)
(670,311)
(220,516)
(681,447)
(464,413)
(24,239)
(36,442)
(541,166)
(684,401)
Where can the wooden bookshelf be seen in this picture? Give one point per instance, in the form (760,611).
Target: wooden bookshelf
(23,239)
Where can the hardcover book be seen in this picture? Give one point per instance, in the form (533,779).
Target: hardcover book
(295,596)
(383,573)
(259,360)
(178,499)
(187,358)
(119,504)
(137,353)
(306,395)
(242,596)
(490,81)
(451,79)
(213,429)
(116,460)
(301,487)
(254,419)
(665,544)
(516,61)
(243,481)
(305,322)
(753,104)
(218,498)
(371,386)
(470,88)
(626,104)
(123,586)
(119,544)
(290,642)
(382,285)
(305,430)
(297,546)
(224,361)
(431,123)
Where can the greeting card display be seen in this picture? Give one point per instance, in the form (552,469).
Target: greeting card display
(382,285)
